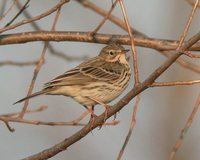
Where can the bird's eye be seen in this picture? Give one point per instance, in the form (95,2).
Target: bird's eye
(111,53)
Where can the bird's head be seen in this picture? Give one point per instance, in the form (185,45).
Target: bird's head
(113,53)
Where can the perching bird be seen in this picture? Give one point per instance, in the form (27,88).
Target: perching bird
(98,80)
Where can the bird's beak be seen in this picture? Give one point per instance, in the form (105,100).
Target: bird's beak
(125,50)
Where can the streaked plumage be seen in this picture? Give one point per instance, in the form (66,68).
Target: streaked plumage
(102,78)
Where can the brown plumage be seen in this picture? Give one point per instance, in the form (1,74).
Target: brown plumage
(99,79)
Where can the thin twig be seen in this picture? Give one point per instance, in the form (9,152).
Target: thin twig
(6,118)
(40,109)
(185,130)
(105,17)
(191,2)
(184,63)
(3,7)
(112,18)
(17,15)
(8,126)
(136,77)
(45,14)
(132,125)
(187,53)
(175,83)
(39,65)
(188,25)
(134,54)
(14,63)
(9,9)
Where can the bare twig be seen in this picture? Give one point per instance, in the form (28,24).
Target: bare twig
(6,118)
(132,125)
(136,77)
(8,126)
(187,53)
(134,54)
(112,18)
(39,65)
(184,63)
(185,130)
(28,16)
(40,109)
(188,24)
(2,9)
(36,17)
(192,2)
(175,83)
(9,9)
(105,18)
(14,63)
(20,11)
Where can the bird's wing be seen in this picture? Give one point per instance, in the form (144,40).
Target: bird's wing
(93,70)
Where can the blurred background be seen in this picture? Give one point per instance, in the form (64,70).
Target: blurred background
(162,112)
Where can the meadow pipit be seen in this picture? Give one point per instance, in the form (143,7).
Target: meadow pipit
(98,80)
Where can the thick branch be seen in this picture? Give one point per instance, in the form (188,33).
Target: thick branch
(158,44)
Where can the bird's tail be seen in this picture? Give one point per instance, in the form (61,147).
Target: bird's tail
(32,95)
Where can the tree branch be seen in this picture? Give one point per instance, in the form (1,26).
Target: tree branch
(158,44)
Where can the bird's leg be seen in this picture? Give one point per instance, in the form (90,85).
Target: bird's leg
(91,111)
(115,116)
(103,104)
(93,116)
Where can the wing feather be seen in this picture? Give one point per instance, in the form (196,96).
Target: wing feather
(93,70)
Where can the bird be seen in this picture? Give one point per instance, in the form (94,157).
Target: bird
(97,80)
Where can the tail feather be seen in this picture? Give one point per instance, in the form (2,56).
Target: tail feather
(31,96)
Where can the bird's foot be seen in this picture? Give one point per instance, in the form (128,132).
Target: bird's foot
(92,119)
(106,111)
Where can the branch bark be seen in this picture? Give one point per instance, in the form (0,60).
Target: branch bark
(154,43)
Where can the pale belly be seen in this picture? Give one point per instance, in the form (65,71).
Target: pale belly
(84,94)
(102,94)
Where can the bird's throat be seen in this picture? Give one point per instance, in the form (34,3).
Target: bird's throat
(122,59)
